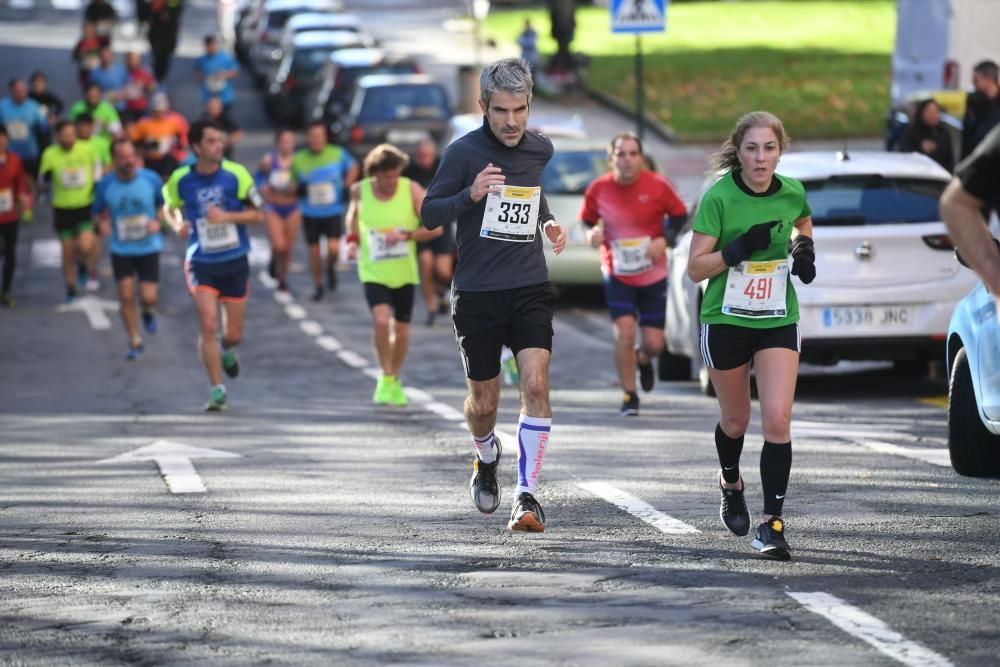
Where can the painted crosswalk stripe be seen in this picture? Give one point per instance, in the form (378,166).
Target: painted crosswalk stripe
(869,629)
(311,327)
(639,509)
(296,312)
(329,343)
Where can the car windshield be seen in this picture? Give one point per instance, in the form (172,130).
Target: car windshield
(570,172)
(276,20)
(348,76)
(307,62)
(319,27)
(404,102)
(873,200)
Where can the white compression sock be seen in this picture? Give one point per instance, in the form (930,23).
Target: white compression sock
(486,448)
(532,441)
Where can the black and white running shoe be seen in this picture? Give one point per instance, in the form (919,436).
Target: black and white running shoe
(733,510)
(646,375)
(527,515)
(483,486)
(770,540)
(630,405)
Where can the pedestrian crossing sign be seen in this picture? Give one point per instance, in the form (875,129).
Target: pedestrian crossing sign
(638,15)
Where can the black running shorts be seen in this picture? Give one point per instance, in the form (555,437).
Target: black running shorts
(147,267)
(519,318)
(725,346)
(399,298)
(331,226)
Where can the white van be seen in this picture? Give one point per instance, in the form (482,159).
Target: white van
(938,42)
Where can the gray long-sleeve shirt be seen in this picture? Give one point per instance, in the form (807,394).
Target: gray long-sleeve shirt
(488,264)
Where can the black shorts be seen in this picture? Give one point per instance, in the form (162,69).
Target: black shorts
(147,267)
(441,245)
(725,346)
(31,167)
(649,302)
(400,298)
(69,222)
(230,280)
(331,226)
(162,166)
(519,318)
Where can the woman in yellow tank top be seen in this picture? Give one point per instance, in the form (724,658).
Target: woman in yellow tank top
(383,223)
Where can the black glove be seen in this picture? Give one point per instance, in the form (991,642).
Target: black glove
(803,254)
(756,238)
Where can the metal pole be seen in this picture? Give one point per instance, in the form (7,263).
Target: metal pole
(640,114)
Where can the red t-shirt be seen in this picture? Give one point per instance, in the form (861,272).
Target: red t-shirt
(139,81)
(13,185)
(631,214)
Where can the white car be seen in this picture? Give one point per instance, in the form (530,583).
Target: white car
(886,278)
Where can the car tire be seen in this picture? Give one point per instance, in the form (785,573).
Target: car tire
(705,383)
(975,452)
(673,367)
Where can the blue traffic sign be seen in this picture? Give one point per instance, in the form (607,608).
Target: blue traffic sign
(638,15)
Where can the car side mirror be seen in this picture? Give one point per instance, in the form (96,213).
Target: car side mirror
(961,260)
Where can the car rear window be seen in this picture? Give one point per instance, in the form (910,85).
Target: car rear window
(348,76)
(277,20)
(570,172)
(307,62)
(873,200)
(402,103)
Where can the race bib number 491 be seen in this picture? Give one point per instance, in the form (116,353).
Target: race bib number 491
(511,214)
(757,290)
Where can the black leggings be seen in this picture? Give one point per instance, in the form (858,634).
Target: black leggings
(8,232)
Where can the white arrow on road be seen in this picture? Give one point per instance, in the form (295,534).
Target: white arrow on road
(174,460)
(93,307)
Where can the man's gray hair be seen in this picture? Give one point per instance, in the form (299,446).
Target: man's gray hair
(510,75)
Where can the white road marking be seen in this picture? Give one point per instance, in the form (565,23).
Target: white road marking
(46,254)
(296,312)
(260,253)
(869,629)
(934,455)
(266,280)
(443,410)
(329,343)
(284,298)
(639,509)
(417,394)
(352,359)
(311,327)
(938,456)
(93,307)
(373,373)
(174,461)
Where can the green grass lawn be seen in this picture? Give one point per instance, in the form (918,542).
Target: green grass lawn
(823,66)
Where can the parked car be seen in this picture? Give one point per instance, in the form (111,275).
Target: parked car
(330,98)
(261,31)
(312,22)
(402,109)
(886,282)
(299,71)
(973,358)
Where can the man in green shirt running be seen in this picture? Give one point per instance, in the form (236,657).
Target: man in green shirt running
(102,151)
(107,123)
(383,227)
(68,166)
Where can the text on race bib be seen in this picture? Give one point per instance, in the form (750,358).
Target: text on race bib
(217,237)
(630,256)
(6,200)
(380,249)
(757,289)
(73,178)
(511,214)
(91,62)
(216,83)
(17,130)
(321,194)
(279,178)
(133,227)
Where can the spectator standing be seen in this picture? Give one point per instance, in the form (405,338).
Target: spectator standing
(926,134)
(87,53)
(528,41)
(216,70)
(982,106)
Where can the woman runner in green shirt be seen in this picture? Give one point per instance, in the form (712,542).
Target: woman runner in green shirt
(383,227)
(753,228)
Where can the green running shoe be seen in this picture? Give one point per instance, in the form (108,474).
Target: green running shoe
(397,394)
(216,400)
(230,363)
(383,391)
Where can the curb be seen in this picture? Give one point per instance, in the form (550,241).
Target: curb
(659,128)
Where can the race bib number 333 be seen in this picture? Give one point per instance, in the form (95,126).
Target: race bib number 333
(757,290)
(511,214)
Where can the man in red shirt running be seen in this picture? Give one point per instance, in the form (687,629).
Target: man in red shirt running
(627,211)
(14,199)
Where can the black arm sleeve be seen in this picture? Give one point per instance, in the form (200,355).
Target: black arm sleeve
(448,197)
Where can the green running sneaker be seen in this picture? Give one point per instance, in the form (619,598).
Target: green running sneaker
(397,394)
(230,363)
(383,391)
(216,400)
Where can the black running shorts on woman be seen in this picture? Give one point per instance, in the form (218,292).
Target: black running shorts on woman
(519,318)
(726,346)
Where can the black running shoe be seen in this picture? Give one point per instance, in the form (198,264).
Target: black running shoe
(318,294)
(527,515)
(331,277)
(483,486)
(630,405)
(646,375)
(770,540)
(272,267)
(230,363)
(733,510)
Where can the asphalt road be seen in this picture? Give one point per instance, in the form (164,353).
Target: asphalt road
(334,532)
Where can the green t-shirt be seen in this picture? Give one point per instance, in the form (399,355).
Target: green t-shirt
(72,172)
(102,147)
(395,265)
(729,209)
(106,119)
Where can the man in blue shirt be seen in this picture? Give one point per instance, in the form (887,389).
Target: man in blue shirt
(216,70)
(210,204)
(127,201)
(112,77)
(25,122)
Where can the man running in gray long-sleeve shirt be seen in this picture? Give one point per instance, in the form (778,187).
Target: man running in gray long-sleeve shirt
(490,181)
